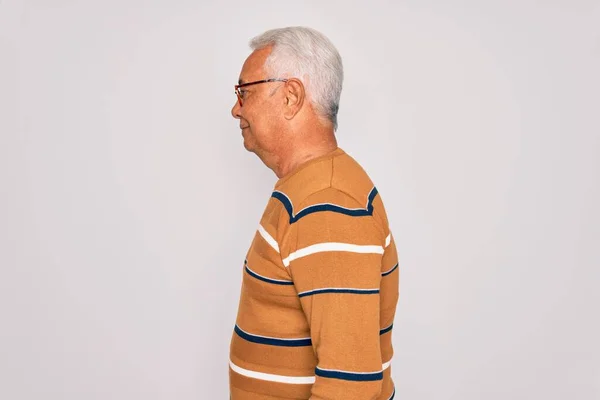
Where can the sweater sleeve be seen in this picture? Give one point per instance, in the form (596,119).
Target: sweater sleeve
(334,256)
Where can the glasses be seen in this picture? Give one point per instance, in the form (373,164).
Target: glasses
(240,93)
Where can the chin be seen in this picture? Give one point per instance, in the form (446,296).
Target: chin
(248,146)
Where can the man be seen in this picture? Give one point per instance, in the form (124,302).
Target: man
(320,282)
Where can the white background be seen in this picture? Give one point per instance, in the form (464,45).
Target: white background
(128,201)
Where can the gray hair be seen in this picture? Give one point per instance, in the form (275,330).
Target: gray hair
(308,55)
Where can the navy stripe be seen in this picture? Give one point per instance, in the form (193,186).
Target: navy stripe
(272,341)
(287,204)
(334,290)
(262,278)
(371,198)
(386,330)
(349,376)
(390,271)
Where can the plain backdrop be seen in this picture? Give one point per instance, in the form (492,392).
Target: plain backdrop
(128,201)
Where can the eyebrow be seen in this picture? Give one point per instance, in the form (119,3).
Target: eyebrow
(240,81)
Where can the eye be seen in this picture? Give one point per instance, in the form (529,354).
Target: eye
(242,93)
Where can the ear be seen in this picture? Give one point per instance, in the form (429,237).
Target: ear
(294,98)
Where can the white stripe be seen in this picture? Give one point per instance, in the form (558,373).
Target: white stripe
(321,247)
(383,368)
(387,365)
(269,337)
(298,380)
(388,239)
(268,238)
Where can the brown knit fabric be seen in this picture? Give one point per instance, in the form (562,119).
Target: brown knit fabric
(319,291)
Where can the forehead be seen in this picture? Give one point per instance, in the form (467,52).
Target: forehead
(253,68)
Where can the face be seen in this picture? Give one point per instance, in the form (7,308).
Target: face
(260,113)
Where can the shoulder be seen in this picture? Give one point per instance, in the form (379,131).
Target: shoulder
(338,184)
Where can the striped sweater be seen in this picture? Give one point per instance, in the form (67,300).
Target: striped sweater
(319,291)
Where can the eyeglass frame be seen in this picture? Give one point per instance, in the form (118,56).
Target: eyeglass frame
(241,85)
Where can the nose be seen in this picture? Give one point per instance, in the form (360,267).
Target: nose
(235,111)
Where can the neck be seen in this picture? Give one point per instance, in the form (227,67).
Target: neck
(304,152)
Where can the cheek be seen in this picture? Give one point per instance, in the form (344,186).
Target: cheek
(263,123)
(262,134)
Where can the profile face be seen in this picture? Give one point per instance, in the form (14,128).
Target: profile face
(258,105)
